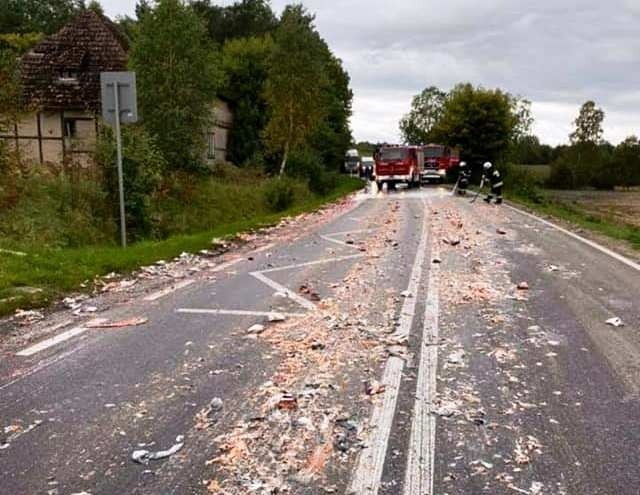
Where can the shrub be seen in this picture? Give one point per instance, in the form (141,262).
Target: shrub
(308,166)
(523,183)
(142,166)
(279,194)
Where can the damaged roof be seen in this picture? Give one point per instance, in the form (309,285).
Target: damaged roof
(63,71)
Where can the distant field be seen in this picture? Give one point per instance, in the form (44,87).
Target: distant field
(620,206)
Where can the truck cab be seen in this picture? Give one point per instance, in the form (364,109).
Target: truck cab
(398,164)
(438,159)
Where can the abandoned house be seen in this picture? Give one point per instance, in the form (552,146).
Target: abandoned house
(61,82)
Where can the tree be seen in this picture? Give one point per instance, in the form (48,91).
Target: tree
(244,63)
(333,136)
(521,109)
(588,124)
(37,16)
(426,111)
(177,76)
(239,20)
(295,83)
(626,162)
(479,121)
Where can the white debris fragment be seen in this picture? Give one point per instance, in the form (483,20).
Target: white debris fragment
(406,294)
(144,456)
(275,317)
(256,329)
(615,322)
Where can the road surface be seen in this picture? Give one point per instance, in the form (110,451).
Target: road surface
(405,343)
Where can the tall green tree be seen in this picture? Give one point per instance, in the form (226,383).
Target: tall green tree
(333,136)
(296,81)
(239,20)
(426,111)
(588,124)
(480,121)
(245,64)
(37,16)
(177,73)
(626,162)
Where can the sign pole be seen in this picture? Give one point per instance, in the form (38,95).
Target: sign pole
(123,225)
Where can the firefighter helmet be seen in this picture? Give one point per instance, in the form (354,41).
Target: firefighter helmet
(463,164)
(487,165)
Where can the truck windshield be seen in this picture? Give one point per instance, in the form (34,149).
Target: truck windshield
(389,154)
(434,152)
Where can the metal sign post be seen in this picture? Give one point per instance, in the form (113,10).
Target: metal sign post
(119,105)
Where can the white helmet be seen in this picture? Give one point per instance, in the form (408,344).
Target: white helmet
(487,165)
(463,164)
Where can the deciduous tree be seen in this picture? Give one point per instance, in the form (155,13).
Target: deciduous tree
(295,84)
(588,124)
(426,111)
(177,73)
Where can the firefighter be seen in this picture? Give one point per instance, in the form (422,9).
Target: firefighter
(492,175)
(463,181)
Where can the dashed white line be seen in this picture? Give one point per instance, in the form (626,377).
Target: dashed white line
(594,245)
(168,290)
(368,473)
(420,460)
(323,261)
(57,339)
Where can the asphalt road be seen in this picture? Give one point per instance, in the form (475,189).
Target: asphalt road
(404,360)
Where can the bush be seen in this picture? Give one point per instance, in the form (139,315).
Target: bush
(523,183)
(142,166)
(279,194)
(581,165)
(308,166)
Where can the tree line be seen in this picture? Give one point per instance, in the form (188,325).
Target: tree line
(289,94)
(494,125)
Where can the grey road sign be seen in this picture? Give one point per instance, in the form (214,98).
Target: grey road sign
(127,99)
(119,106)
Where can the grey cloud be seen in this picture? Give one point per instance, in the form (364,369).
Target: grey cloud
(555,52)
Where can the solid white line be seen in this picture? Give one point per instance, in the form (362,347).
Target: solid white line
(368,473)
(594,245)
(305,303)
(420,461)
(168,290)
(312,263)
(57,339)
(236,312)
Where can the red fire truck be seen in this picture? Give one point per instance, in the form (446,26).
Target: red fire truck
(438,159)
(399,164)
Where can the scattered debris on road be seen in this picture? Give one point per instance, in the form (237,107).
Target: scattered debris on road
(615,322)
(131,322)
(144,456)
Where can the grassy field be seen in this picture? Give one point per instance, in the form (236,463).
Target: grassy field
(540,172)
(43,274)
(615,214)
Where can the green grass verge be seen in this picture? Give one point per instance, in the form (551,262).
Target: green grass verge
(43,275)
(581,219)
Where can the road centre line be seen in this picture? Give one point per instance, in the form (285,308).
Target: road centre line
(168,290)
(594,245)
(368,472)
(58,339)
(237,312)
(420,460)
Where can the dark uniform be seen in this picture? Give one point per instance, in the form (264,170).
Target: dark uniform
(495,179)
(463,184)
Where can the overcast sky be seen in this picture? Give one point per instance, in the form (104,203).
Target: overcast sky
(557,53)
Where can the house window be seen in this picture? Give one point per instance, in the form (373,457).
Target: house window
(70,128)
(211,145)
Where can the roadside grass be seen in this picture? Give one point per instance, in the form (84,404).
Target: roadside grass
(45,274)
(573,214)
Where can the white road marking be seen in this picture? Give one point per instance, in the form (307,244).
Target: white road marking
(332,237)
(420,461)
(323,261)
(368,473)
(237,312)
(305,303)
(234,262)
(57,339)
(168,290)
(594,245)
